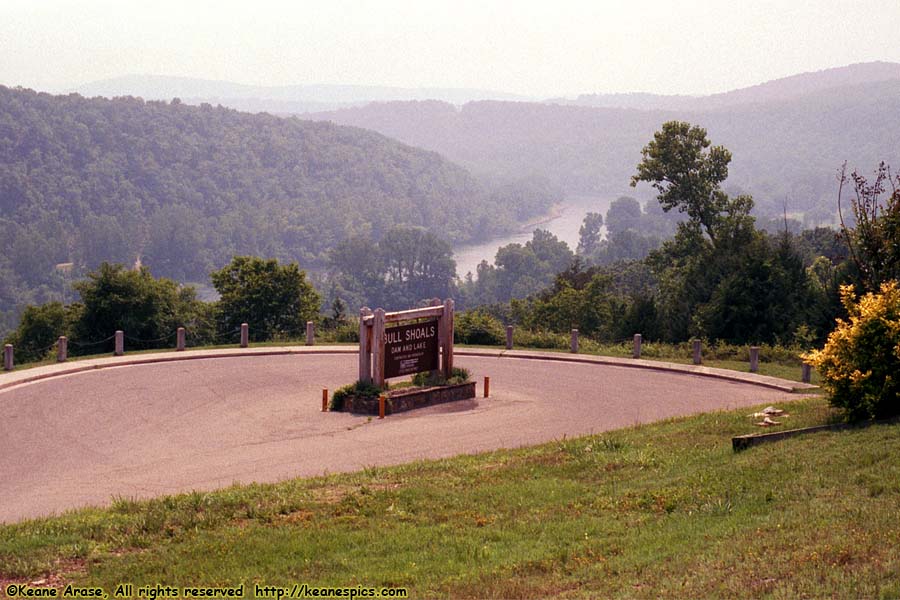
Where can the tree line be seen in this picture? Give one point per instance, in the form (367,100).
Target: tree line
(275,300)
(701,268)
(693,264)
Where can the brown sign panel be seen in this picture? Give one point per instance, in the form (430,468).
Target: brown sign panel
(410,349)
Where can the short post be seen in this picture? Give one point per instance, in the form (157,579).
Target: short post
(381,401)
(8,357)
(324,399)
(245,335)
(573,343)
(62,349)
(509,334)
(120,343)
(487,387)
(806,373)
(754,359)
(636,353)
(365,346)
(310,333)
(179,339)
(697,356)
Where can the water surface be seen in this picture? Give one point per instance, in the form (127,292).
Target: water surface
(564,226)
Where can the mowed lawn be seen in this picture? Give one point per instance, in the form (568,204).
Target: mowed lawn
(663,510)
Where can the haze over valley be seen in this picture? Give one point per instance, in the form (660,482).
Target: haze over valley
(180,188)
(391,167)
(788,137)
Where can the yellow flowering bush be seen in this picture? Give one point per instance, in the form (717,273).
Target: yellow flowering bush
(860,363)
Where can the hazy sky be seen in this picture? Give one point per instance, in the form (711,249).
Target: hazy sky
(533,48)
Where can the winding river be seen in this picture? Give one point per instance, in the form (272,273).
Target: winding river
(565,223)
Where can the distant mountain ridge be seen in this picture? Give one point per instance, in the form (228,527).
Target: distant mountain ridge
(276,99)
(786,149)
(304,98)
(785,88)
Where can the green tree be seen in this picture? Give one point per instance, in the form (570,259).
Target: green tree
(627,245)
(719,276)
(39,328)
(589,234)
(419,265)
(408,265)
(680,164)
(583,299)
(624,213)
(273,299)
(478,327)
(763,297)
(147,309)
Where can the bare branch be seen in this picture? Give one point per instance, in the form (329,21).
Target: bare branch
(844,231)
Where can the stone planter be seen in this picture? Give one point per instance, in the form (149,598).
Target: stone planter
(402,400)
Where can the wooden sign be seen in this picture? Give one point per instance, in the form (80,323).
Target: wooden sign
(410,349)
(421,341)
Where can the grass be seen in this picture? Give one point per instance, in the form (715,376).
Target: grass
(662,510)
(789,371)
(772,369)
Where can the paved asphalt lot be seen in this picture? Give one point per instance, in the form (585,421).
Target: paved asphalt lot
(146,430)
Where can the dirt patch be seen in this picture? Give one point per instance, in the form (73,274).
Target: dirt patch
(62,573)
(333,494)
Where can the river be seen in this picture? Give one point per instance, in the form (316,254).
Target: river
(569,215)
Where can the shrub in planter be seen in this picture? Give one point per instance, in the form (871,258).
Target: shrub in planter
(358,389)
(860,363)
(426,379)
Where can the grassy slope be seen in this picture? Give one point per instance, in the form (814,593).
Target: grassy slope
(657,510)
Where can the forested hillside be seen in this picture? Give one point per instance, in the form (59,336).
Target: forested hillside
(785,149)
(183,189)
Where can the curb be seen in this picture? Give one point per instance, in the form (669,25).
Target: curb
(61,370)
(783,385)
(743,442)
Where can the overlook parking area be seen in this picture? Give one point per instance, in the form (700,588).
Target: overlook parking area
(144,430)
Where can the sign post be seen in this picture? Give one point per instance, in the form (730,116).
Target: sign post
(405,342)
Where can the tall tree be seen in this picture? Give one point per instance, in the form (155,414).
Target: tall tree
(272,299)
(624,213)
(147,309)
(680,164)
(589,234)
(407,265)
(719,276)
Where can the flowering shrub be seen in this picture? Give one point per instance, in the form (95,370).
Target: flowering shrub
(860,363)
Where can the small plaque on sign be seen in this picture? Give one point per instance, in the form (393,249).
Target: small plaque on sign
(411,349)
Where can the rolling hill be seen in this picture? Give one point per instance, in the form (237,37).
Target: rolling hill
(785,88)
(788,137)
(184,188)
